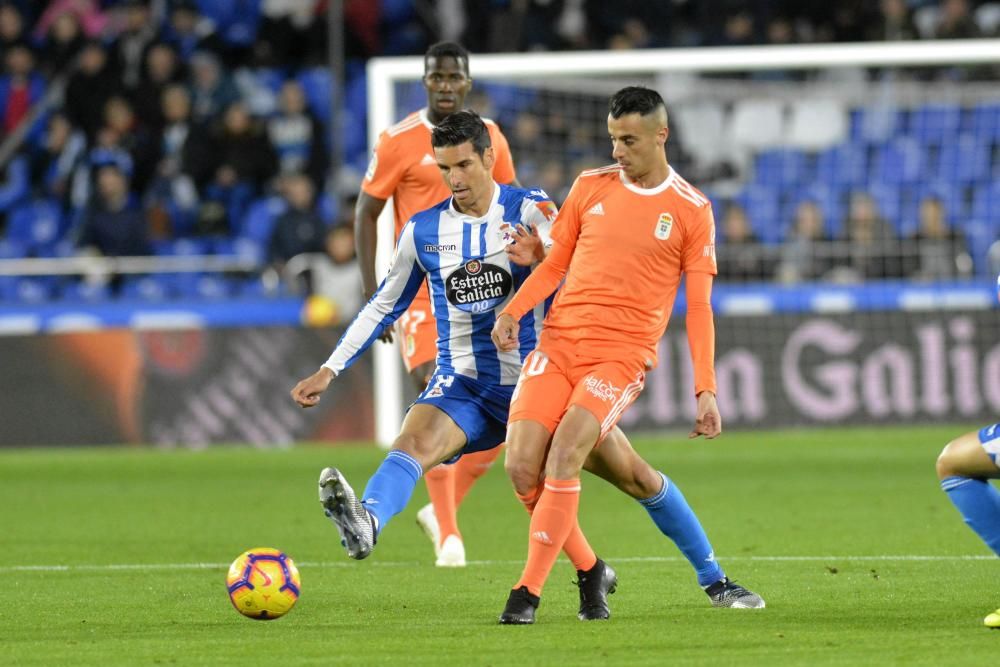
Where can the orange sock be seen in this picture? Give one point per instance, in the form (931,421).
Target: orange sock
(552,521)
(577,548)
(441,488)
(470,468)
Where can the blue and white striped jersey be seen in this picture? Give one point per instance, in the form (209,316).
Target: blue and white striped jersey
(470,279)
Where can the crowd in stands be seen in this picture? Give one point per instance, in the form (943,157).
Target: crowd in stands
(204,126)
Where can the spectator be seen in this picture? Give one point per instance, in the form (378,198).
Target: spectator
(11,26)
(129,48)
(162,68)
(894,23)
(211,90)
(89,88)
(53,162)
(237,150)
(88,14)
(956,21)
(173,195)
(113,225)
(741,255)
(290,35)
(131,136)
(299,229)
(802,255)
(297,136)
(20,87)
(871,249)
(62,43)
(939,252)
(189,33)
(336,275)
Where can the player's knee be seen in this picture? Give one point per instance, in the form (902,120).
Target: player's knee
(948,461)
(423,449)
(522,475)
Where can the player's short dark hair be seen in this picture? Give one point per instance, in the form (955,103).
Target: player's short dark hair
(460,127)
(635,99)
(448,50)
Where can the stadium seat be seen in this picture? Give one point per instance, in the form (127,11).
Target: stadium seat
(761,205)
(757,124)
(830,201)
(201,286)
(327,207)
(782,168)
(986,202)
(843,165)
(36,289)
(702,130)
(35,225)
(888,200)
(12,249)
(964,160)
(258,221)
(981,235)
(935,124)
(817,124)
(317,84)
(182,247)
(876,124)
(984,122)
(897,162)
(81,290)
(148,288)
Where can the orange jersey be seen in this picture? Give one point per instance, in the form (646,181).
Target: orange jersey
(404,168)
(623,249)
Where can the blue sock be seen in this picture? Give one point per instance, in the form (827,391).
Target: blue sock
(675,519)
(979,504)
(390,488)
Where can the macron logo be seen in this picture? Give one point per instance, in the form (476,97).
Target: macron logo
(428,159)
(542,537)
(596,209)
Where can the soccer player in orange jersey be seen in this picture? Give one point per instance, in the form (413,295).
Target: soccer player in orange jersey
(404,168)
(622,240)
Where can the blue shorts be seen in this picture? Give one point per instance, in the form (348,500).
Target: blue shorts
(990,438)
(479,408)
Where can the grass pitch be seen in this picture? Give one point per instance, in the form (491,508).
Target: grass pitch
(116,556)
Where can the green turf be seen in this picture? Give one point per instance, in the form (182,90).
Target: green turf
(860,501)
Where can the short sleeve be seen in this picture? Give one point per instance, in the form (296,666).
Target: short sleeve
(385,170)
(503,168)
(539,211)
(699,242)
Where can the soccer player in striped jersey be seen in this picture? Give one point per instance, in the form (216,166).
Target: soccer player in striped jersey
(404,169)
(622,240)
(475,249)
(965,468)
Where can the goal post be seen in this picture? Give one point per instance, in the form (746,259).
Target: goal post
(607,70)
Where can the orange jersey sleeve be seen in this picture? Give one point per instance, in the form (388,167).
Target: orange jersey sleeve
(699,242)
(701,330)
(503,168)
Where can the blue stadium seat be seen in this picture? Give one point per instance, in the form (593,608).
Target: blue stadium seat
(986,202)
(981,234)
(900,161)
(761,205)
(952,195)
(935,124)
(148,288)
(327,207)
(888,199)
(34,289)
(876,124)
(182,247)
(781,168)
(844,165)
(830,201)
(36,225)
(81,290)
(12,249)
(983,121)
(202,286)
(317,84)
(258,221)
(963,159)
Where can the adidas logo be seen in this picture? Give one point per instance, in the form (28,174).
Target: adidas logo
(596,209)
(428,159)
(542,537)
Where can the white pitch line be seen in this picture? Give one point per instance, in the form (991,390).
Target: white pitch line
(146,567)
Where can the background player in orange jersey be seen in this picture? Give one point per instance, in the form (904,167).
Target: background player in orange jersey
(622,240)
(403,167)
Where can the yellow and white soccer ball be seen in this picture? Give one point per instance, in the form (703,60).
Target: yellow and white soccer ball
(263,583)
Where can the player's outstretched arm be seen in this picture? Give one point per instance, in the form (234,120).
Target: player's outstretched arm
(307,392)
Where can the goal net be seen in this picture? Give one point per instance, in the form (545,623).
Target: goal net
(856,192)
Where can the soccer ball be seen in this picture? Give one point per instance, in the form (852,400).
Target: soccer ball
(263,583)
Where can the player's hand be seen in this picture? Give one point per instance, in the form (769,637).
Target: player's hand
(505,333)
(527,248)
(307,392)
(708,421)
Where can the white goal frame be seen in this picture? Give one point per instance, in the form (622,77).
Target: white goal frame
(384,73)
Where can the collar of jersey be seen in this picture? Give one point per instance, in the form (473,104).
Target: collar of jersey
(471,219)
(426,120)
(655,190)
